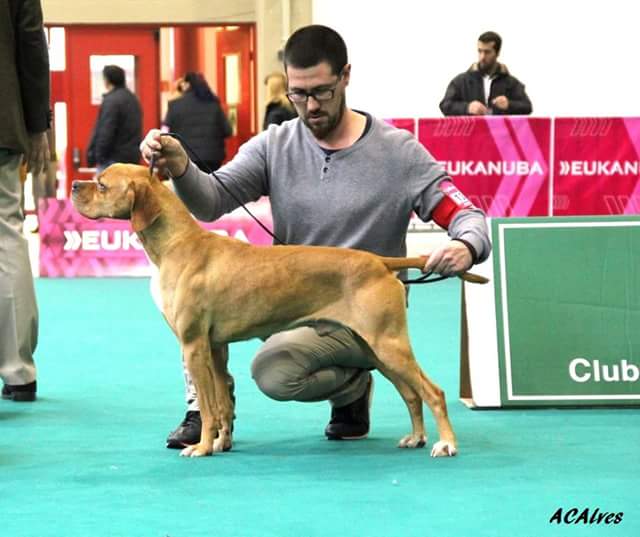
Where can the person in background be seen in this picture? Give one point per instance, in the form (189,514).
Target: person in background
(24,119)
(335,177)
(177,90)
(198,117)
(278,108)
(118,129)
(487,87)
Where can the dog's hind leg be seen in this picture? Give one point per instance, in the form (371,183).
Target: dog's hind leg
(223,381)
(418,436)
(396,356)
(383,326)
(446,446)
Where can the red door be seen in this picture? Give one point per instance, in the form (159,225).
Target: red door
(236,82)
(87,48)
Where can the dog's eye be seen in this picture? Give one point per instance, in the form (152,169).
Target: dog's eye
(101,187)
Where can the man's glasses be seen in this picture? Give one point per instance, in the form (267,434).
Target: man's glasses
(320,95)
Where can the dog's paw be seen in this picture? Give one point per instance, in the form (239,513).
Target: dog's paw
(196,450)
(413,441)
(222,442)
(444,449)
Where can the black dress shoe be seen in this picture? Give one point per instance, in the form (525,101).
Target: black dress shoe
(21,393)
(187,433)
(351,422)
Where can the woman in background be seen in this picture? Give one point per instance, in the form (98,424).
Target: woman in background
(279,108)
(198,117)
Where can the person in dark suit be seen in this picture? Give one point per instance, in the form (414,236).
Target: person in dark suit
(24,120)
(486,87)
(198,117)
(118,130)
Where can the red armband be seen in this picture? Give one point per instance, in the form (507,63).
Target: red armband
(453,202)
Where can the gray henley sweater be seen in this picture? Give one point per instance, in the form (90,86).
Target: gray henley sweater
(358,197)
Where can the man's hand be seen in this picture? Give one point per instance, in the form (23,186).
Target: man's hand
(38,156)
(476,108)
(501,102)
(169,154)
(449,259)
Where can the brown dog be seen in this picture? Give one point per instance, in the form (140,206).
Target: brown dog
(208,305)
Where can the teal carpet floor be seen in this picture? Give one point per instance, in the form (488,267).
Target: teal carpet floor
(88,458)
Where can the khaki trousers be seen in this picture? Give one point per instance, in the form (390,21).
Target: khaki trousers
(323,361)
(18,308)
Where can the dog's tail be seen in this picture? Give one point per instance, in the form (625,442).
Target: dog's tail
(399,263)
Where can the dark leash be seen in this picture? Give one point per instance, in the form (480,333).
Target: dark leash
(425,278)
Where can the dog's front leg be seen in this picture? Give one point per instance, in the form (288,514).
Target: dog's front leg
(197,357)
(225,406)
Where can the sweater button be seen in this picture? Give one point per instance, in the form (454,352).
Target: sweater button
(325,170)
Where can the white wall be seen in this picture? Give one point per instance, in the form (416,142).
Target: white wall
(152,11)
(575,58)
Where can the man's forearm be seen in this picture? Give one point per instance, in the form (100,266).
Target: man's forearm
(196,189)
(471,226)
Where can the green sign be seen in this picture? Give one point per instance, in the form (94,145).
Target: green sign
(567,294)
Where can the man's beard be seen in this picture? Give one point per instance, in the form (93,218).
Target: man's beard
(322,131)
(486,68)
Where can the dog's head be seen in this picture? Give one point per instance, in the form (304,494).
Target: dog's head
(122,191)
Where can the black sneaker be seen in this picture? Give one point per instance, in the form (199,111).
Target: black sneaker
(21,393)
(351,422)
(188,432)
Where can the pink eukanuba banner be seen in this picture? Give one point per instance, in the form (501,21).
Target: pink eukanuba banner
(500,163)
(597,166)
(74,246)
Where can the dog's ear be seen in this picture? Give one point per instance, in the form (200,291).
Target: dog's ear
(145,207)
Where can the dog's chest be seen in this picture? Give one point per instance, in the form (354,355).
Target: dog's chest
(154,286)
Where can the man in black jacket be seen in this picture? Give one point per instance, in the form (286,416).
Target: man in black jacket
(118,130)
(487,87)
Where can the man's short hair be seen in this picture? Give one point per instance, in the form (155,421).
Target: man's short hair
(313,44)
(492,37)
(114,75)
